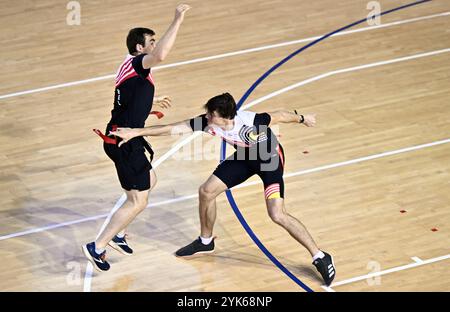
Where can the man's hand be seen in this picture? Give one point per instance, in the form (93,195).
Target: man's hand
(310,120)
(180,11)
(162,101)
(125,133)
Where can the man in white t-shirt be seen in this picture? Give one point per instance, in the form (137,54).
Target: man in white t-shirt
(257,152)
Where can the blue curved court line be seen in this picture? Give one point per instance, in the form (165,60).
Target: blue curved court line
(230,197)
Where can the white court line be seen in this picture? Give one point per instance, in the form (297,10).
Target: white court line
(63,224)
(355,161)
(257,101)
(395,269)
(344,70)
(417,259)
(224,55)
(87,283)
(51,227)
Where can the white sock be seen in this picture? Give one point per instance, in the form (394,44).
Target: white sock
(121,234)
(99,251)
(318,255)
(207,240)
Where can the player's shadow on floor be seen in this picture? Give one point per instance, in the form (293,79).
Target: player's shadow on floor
(59,249)
(302,270)
(178,227)
(167,228)
(250,260)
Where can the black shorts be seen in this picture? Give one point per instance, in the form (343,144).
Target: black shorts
(233,171)
(132,165)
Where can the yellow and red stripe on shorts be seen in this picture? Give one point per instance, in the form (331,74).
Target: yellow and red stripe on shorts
(272,191)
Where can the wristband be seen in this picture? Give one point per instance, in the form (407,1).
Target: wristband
(302,118)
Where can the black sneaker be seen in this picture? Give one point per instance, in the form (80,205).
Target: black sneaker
(194,248)
(121,245)
(325,266)
(98,260)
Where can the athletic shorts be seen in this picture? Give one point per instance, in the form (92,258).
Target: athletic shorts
(132,165)
(233,171)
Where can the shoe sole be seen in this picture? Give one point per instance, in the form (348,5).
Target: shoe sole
(91,260)
(197,254)
(112,245)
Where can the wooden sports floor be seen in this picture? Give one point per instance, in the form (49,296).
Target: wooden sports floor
(371,181)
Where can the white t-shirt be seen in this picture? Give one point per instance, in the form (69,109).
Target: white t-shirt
(251,130)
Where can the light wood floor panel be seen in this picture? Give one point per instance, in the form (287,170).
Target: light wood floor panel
(53,169)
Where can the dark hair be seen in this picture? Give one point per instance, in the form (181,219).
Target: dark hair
(223,104)
(137,36)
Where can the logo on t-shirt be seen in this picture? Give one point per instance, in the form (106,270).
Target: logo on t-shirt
(250,136)
(118,96)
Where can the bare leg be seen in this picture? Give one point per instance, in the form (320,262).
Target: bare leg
(298,231)
(135,203)
(207,203)
(153,181)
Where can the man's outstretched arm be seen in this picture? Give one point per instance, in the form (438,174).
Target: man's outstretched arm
(128,133)
(285,116)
